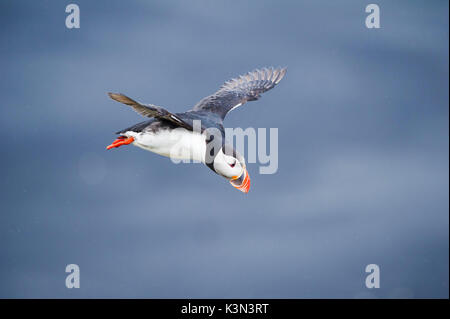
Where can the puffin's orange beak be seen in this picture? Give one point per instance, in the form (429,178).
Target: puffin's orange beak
(242,182)
(121,140)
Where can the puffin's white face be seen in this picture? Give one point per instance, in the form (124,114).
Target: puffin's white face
(231,165)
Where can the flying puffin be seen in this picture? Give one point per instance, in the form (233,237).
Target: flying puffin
(189,135)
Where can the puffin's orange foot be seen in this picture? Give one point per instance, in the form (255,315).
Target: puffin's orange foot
(121,140)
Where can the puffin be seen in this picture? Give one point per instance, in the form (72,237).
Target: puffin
(199,134)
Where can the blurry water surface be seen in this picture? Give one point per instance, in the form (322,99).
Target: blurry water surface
(363,151)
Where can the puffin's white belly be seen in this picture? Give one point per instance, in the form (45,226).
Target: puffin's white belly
(176,144)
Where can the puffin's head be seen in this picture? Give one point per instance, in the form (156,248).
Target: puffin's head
(231,165)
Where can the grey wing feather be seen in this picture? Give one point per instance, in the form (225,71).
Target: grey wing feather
(237,91)
(150,110)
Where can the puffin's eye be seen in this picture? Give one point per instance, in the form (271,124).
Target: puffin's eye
(232,165)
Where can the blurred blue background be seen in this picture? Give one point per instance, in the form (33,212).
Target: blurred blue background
(363,151)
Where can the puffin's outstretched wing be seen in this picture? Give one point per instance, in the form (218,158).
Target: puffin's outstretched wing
(237,91)
(150,110)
